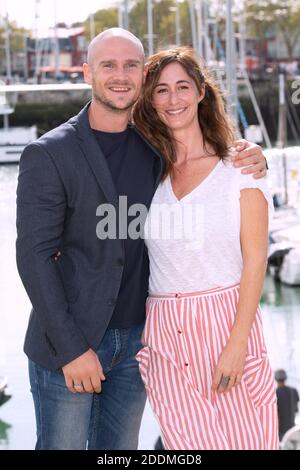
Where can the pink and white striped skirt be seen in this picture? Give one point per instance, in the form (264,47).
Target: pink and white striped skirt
(184,336)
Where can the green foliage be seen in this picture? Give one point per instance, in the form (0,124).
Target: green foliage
(268,18)
(164,21)
(16,36)
(103,19)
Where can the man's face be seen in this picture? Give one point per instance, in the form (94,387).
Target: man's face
(115,72)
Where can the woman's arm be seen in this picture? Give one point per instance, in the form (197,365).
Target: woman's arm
(254,244)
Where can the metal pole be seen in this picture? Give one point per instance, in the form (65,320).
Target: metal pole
(177,20)
(282,131)
(231,64)
(37,55)
(120,16)
(5,122)
(200,27)
(206,38)
(7,51)
(193,24)
(92,26)
(56,43)
(150,26)
(242,36)
(126,15)
(25,57)
(256,108)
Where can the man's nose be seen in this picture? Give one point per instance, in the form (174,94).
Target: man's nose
(120,73)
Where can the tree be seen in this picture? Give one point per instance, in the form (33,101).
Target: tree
(16,38)
(103,19)
(163,23)
(274,16)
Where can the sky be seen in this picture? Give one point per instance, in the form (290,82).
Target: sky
(68,11)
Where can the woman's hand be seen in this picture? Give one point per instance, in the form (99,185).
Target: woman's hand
(230,365)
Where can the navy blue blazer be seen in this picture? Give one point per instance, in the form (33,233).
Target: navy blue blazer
(63,178)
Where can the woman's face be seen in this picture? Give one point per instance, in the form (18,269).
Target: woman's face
(176,98)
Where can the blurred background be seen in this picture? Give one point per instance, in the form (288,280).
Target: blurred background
(252,48)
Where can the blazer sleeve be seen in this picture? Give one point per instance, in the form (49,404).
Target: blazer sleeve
(41,210)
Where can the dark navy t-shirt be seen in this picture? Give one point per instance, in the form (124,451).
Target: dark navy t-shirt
(134,169)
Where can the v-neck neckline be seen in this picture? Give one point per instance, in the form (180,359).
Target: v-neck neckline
(210,174)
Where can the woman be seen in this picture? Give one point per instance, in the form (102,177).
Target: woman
(204,363)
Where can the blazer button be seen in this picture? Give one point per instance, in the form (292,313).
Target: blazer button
(120,262)
(112,302)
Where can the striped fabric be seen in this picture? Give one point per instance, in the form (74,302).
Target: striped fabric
(184,336)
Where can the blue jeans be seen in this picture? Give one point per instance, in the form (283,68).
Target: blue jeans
(106,421)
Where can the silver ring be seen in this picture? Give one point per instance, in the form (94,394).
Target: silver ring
(77,385)
(224,381)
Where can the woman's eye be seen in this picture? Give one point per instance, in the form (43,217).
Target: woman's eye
(162,90)
(183,87)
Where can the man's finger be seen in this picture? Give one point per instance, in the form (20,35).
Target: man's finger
(260,174)
(101,373)
(70,384)
(240,144)
(247,154)
(87,386)
(96,383)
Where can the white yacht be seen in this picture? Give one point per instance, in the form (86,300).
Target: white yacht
(13,139)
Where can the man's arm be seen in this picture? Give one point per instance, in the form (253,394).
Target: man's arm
(250,155)
(41,209)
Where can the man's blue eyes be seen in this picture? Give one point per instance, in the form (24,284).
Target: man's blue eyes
(110,66)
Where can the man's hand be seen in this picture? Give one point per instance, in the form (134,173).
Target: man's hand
(84,374)
(250,155)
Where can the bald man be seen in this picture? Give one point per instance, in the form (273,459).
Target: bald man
(87,290)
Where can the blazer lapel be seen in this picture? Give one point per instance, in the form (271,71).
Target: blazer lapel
(94,155)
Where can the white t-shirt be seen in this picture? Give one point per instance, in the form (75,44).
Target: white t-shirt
(194,243)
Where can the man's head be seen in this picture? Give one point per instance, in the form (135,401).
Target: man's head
(114,68)
(280,376)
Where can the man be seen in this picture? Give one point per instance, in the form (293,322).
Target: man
(287,403)
(88,294)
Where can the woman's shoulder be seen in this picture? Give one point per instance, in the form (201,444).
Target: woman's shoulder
(242,180)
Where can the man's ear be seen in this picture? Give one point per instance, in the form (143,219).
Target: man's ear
(87,73)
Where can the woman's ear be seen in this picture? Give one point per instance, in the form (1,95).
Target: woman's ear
(201,94)
(146,68)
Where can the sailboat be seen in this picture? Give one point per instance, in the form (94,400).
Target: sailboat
(13,139)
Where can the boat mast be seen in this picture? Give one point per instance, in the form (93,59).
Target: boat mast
(177,21)
(7,51)
(242,66)
(150,26)
(37,41)
(92,26)
(56,41)
(282,131)
(193,24)
(126,15)
(232,99)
